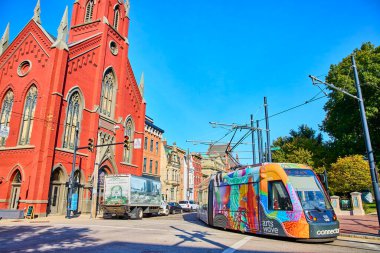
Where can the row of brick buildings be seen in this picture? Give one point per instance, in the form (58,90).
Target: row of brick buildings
(178,170)
(58,92)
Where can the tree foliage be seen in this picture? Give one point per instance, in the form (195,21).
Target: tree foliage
(342,121)
(301,146)
(349,174)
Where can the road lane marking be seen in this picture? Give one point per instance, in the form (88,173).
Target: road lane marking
(237,245)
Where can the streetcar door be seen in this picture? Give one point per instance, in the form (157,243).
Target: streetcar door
(210,208)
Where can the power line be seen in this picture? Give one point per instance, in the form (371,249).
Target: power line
(295,107)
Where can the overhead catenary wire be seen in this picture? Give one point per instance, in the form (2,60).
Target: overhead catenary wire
(295,107)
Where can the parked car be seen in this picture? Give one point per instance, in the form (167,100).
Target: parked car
(164,208)
(174,207)
(188,205)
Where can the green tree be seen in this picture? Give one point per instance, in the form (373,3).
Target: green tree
(342,121)
(349,174)
(301,146)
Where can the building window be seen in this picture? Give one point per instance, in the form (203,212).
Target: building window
(28,116)
(129,131)
(72,120)
(146,143)
(106,99)
(116,17)
(278,196)
(144,166)
(156,147)
(89,11)
(156,168)
(151,145)
(150,166)
(6,110)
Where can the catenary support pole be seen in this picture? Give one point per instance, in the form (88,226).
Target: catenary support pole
(367,138)
(259,146)
(253,142)
(269,153)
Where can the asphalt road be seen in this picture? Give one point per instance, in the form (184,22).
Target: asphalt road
(175,233)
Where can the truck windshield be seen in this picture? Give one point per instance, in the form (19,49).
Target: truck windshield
(308,188)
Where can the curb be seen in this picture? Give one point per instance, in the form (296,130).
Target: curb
(360,236)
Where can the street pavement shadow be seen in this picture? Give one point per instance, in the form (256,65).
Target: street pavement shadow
(64,239)
(192,218)
(42,238)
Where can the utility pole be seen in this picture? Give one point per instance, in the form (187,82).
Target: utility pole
(71,179)
(188,174)
(259,145)
(269,154)
(253,142)
(367,138)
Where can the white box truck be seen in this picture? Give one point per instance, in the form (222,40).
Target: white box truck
(130,196)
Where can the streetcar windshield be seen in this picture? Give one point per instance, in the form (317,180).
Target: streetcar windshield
(308,188)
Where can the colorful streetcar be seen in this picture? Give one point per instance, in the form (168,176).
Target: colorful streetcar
(277,199)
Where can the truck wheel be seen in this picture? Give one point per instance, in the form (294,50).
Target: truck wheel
(139,214)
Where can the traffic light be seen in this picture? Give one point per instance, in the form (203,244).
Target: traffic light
(91,145)
(126,142)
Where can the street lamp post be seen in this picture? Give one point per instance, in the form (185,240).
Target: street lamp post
(367,138)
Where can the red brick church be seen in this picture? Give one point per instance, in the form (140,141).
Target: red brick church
(49,86)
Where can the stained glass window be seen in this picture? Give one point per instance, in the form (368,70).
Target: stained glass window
(28,116)
(6,111)
(73,118)
(107,93)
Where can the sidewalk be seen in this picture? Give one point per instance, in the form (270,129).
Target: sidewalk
(366,226)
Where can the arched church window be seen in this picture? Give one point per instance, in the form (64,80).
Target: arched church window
(89,11)
(28,116)
(129,130)
(6,111)
(106,99)
(17,178)
(73,118)
(116,18)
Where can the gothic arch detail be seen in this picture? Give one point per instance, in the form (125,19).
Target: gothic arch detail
(89,11)
(13,170)
(108,95)
(5,112)
(28,116)
(73,118)
(116,17)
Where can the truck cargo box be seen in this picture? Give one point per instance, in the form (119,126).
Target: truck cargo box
(131,191)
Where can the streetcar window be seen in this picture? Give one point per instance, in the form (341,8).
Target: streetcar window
(278,197)
(308,188)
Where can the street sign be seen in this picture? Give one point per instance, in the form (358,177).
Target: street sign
(275,148)
(137,143)
(4,131)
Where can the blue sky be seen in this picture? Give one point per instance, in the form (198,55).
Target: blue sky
(215,60)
